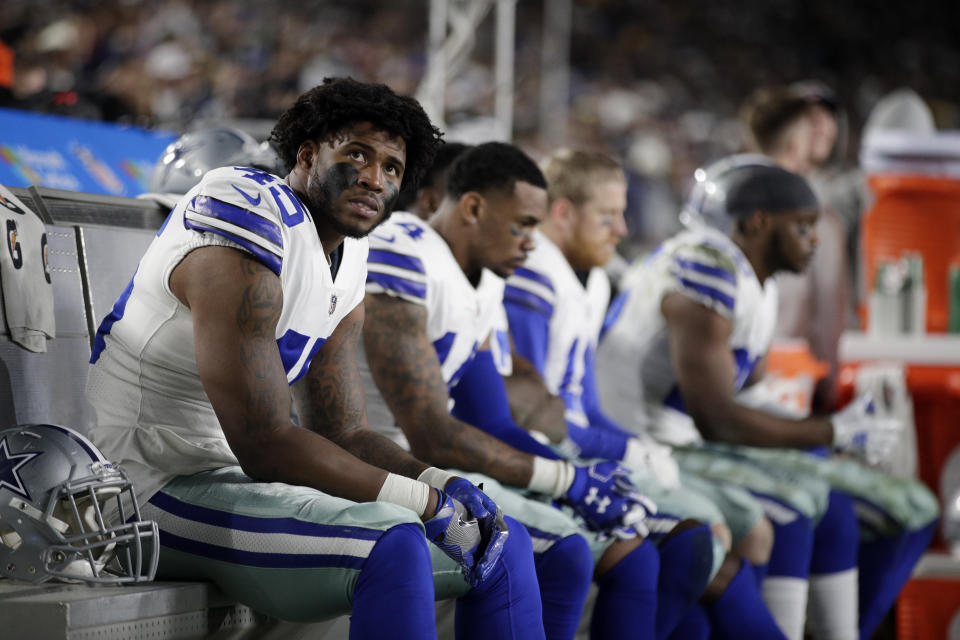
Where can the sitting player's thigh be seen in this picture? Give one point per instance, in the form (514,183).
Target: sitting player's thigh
(674,504)
(727,464)
(680,503)
(287,551)
(741,511)
(886,504)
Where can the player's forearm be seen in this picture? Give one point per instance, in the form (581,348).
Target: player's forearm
(534,408)
(737,424)
(301,457)
(450,443)
(379,451)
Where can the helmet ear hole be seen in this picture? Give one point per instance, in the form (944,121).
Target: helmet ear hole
(10,538)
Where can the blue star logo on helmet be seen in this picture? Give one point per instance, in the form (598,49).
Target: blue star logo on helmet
(9,464)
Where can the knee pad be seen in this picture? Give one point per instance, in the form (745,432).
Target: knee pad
(564,574)
(626,604)
(519,544)
(687,559)
(400,551)
(395,584)
(637,571)
(516,561)
(570,556)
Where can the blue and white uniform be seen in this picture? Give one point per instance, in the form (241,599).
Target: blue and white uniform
(410,260)
(708,267)
(560,336)
(556,321)
(635,374)
(153,415)
(556,318)
(288,551)
(638,386)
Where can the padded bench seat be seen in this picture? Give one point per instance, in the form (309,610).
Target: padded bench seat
(158,610)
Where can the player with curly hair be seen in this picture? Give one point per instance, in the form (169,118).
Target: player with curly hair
(247,310)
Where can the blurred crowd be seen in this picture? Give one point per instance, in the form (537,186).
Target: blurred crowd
(660,84)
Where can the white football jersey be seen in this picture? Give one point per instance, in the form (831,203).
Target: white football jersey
(635,376)
(410,260)
(153,416)
(548,284)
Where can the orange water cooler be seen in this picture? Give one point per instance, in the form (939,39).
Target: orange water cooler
(915,181)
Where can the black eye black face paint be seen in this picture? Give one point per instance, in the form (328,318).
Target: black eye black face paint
(338,178)
(327,188)
(324,191)
(391,193)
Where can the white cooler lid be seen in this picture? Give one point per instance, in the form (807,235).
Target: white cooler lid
(901,152)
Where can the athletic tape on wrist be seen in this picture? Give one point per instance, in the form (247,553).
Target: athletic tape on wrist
(551,477)
(436,478)
(406,492)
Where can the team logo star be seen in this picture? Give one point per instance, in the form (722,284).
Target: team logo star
(9,464)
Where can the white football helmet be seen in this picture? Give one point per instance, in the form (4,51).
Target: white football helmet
(67,513)
(185,160)
(706,205)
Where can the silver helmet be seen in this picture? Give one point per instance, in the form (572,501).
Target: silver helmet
(184,161)
(67,513)
(706,205)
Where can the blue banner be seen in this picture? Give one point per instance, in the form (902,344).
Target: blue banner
(78,155)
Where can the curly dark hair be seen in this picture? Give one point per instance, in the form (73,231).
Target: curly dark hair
(328,109)
(492,166)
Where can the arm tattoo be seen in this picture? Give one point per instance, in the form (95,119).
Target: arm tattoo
(334,392)
(330,401)
(405,367)
(257,317)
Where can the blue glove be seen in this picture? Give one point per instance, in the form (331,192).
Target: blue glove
(603,495)
(596,442)
(456,533)
(493,528)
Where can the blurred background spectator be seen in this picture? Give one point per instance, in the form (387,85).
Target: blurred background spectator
(657,83)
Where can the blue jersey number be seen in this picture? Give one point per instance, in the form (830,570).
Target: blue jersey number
(413,230)
(286,199)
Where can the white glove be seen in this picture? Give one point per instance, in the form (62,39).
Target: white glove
(860,430)
(645,453)
(634,520)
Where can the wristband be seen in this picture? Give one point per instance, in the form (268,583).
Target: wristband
(436,478)
(551,477)
(406,492)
